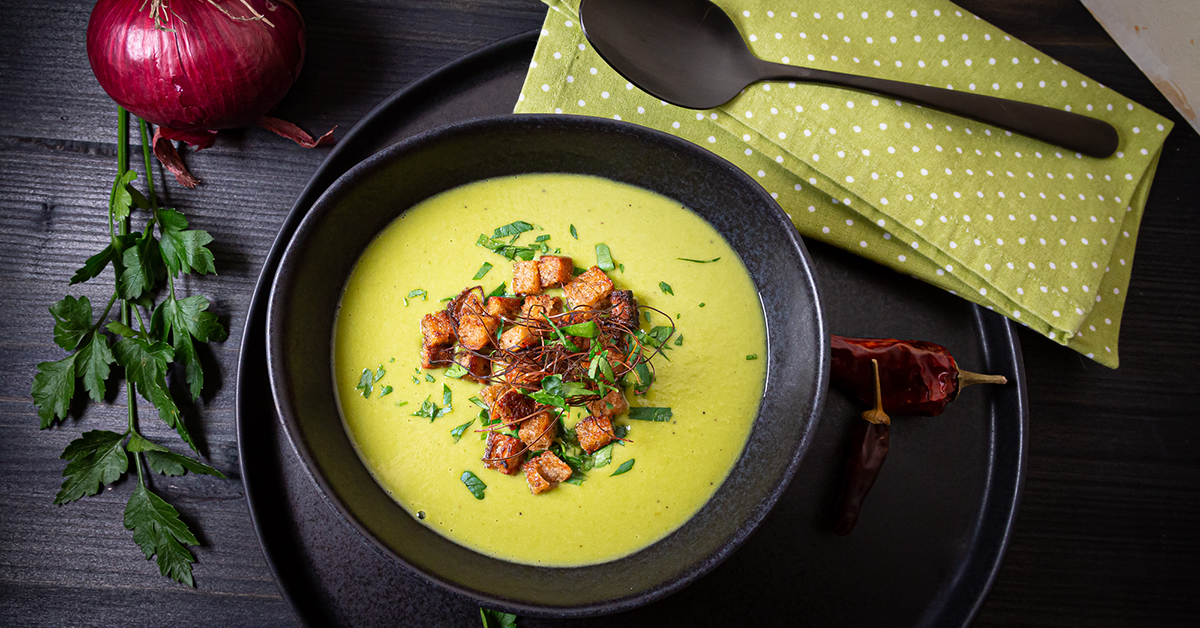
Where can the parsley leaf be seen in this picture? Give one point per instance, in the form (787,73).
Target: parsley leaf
(146,366)
(496,619)
(53,387)
(142,267)
(365,382)
(445,398)
(457,432)
(586,329)
(474,484)
(602,457)
(158,530)
(626,466)
(666,288)
(387,390)
(650,414)
(499,291)
(418,292)
(94,265)
(752,356)
(699,261)
(96,458)
(679,340)
(574,233)
(92,364)
(516,227)
(187,319)
(184,249)
(604,257)
(120,200)
(456,371)
(72,321)
(164,461)
(483,270)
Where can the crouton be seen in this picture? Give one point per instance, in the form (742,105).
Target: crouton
(555,271)
(624,310)
(436,357)
(504,307)
(551,467)
(611,405)
(488,394)
(478,367)
(537,309)
(500,453)
(517,338)
(539,430)
(475,331)
(517,373)
(526,278)
(594,432)
(533,477)
(590,288)
(437,330)
(466,303)
(581,314)
(511,406)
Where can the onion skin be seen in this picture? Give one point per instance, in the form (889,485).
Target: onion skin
(212,72)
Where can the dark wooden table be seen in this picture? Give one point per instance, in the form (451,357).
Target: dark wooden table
(1107,530)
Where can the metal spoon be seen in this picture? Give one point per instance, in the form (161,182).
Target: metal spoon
(689,53)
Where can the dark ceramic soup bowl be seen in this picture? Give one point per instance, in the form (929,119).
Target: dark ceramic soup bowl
(315,266)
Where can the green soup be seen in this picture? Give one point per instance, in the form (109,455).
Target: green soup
(713,381)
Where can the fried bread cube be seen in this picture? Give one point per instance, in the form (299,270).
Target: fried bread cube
(512,406)
(500,452)
(504,307)
(594,432)
(624,309)
(537,309)
(437,330)
(517,338)
(590,288)
(533,477)
(467,302)
(581,314)
(478,367)
(539,430)
(552,468)
(475,331)
(436,357)
(517,373)
(526,278)
(488,394)
(611,405)
(555,270)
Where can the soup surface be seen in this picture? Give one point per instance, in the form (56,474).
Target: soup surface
(713,381)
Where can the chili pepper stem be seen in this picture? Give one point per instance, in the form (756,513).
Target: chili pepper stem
(966,378)
(876,414)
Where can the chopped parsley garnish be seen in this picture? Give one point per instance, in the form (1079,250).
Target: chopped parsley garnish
(431,411)
(701,305)
(418,292)
(587,329)
(474,484)
(679,340)
(602,457)
(456,371)
(387,390)
(514,228)
(365,383)
(579,271)
(446,398)
(479,402)
(604,257)
(510,251)
(483,270)
(457,432)
(499,291)
(699,261)
(659,415)
(625,466)
(666,288)
(380,373)
(752,356)
(429,378)
(496,619)
(574,233)
(542,238)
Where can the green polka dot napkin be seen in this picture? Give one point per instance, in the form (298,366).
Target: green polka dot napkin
(1043,235)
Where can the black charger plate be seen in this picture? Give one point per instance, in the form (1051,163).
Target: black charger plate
(932,532)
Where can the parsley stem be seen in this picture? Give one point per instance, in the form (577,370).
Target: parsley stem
(143,128)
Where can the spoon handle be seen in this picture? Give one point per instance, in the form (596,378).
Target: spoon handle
(1083,134)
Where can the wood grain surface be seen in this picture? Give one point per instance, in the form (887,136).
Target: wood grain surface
(1107,530)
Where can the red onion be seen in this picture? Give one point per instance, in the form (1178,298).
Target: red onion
(194,66)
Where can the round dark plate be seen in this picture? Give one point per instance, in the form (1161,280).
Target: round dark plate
(932,531)
(315,266)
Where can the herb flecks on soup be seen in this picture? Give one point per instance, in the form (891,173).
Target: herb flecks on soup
(422,440)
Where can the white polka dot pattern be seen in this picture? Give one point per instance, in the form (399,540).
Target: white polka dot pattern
(1019,226)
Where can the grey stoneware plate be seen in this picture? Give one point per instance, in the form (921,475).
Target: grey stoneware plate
(934,528)
(303,307)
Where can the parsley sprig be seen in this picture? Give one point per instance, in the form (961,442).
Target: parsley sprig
(167,335)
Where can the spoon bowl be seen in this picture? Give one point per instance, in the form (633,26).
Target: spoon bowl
(689,53)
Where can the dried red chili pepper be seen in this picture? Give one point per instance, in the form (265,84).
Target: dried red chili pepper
(918,378)
(869,448)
